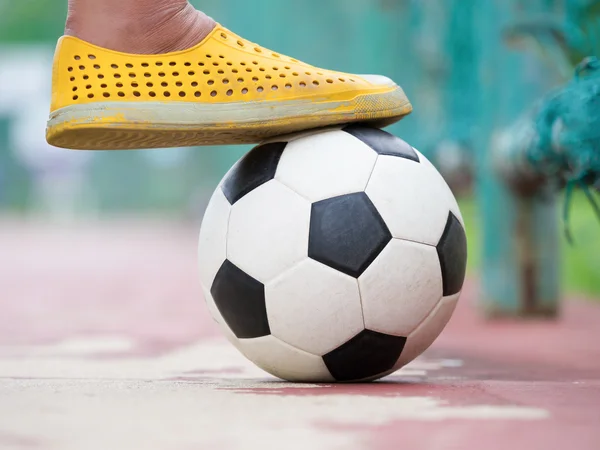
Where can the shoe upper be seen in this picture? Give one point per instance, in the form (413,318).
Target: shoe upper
(222,68)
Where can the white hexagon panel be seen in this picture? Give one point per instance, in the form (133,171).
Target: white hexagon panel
(412,197)
(326,164)
(268,231)
(314,307)
(428,331)
(400,287)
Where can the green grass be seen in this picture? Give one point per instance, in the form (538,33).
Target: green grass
(580,265)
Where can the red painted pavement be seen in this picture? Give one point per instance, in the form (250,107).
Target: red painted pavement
(139,279)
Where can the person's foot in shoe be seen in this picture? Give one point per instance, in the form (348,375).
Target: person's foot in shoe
(159,73)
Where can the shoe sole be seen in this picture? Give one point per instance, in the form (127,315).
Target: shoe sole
(131,125)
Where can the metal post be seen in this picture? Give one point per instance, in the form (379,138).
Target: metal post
(520,250)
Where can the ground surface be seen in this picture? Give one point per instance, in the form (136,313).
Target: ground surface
(105,343)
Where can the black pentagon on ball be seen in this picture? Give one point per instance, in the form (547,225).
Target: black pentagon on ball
(347,233)
(382,142)
(452,252)
(256,167)
(366,355)
(241,301)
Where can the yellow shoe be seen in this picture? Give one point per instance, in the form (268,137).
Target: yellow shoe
(225,90)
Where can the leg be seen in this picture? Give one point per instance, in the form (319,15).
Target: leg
(138,26)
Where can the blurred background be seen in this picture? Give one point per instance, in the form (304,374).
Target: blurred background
(470,68)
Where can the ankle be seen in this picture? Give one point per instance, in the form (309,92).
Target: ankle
(164,26)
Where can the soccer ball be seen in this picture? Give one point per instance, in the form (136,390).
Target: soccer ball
(332,255)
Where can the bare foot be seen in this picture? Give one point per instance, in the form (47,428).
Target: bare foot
(138,26)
